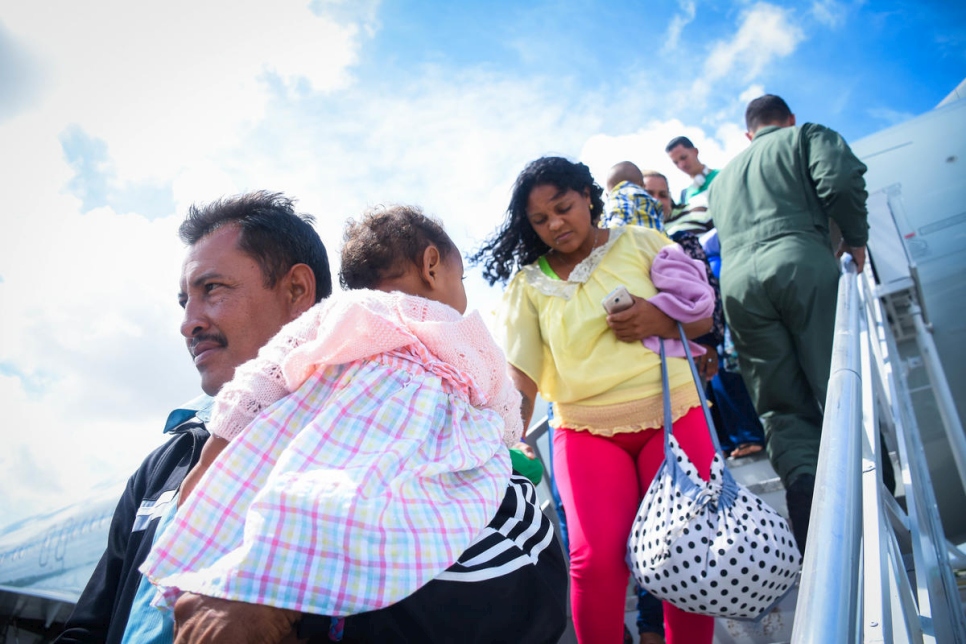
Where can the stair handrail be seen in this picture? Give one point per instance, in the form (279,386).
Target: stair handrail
(828,599)
(835,580)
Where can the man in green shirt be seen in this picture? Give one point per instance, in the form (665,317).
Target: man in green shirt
(779,277)
(693,214)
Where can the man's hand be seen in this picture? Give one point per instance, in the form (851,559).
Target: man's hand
(857,253)
(200,619)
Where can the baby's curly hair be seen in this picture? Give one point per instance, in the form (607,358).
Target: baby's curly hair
(387,238)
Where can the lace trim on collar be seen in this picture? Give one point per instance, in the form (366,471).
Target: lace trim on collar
(581,273)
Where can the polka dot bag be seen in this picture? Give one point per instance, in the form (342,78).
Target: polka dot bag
(712,547)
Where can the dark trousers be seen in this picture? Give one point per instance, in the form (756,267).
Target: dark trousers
(779,302)
(735,418)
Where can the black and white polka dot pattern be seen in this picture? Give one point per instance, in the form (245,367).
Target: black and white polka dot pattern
(710,547)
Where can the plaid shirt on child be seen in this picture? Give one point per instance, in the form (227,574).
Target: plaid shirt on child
(628,205)
(359,487)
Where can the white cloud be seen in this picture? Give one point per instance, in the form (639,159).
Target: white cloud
(52,459)
(91,354)
(174,83)
(753,92)
(830,13)
(678,22)
(213,98)
(95,316)
(766,34)
(733,141)
(645,148)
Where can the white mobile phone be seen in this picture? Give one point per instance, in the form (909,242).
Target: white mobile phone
(617,300)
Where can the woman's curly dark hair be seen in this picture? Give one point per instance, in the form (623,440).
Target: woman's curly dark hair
(384,241)
(516,244)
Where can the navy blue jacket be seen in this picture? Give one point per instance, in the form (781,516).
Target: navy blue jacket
(102,611)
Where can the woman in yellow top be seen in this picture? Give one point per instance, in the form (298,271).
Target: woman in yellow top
(605,385)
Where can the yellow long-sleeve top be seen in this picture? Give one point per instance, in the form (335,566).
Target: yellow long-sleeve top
(556,333)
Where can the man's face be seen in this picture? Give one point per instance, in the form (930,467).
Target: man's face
(686,159)
(229,313)
(657,188)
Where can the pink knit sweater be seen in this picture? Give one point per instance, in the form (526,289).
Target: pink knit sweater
(359,324)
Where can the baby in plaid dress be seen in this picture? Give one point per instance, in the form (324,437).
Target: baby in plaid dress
(364,450)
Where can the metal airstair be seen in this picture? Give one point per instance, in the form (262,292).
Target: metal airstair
(878,567)
(877,570)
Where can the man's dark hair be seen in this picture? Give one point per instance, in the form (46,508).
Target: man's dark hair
(272,233)
(766,110)
(679,140)
(385,241)
(516,243)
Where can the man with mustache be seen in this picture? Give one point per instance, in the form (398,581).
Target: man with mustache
(252,265)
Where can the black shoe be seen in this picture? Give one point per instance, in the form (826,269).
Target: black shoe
(798,498)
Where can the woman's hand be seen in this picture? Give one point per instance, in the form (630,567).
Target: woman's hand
(707,364)
(528,394)
(526,450)
(641,320)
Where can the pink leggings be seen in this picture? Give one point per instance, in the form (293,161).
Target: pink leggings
(602,481)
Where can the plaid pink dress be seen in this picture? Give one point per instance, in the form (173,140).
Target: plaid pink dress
(368,480)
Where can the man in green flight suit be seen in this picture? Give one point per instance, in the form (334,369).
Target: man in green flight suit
(779,279)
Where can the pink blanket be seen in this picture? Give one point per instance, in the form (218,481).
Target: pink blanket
(685,296)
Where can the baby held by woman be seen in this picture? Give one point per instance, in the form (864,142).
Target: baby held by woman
(359,464)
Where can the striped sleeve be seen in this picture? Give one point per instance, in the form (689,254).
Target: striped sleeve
(515,538)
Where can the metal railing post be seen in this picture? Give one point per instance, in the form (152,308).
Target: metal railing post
(944,397)
(828,602)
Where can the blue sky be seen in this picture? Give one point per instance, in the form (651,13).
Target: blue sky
(115,116)
(860,65)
